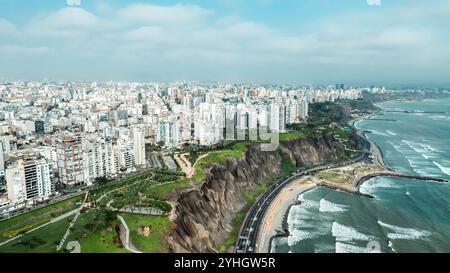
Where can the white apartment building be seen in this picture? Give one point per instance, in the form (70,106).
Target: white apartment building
(98,160)
(139,146)
(277,118)
(29,179)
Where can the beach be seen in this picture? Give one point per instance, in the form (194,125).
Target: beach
(279,208)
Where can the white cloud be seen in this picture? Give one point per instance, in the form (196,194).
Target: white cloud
(374,2)
(74,2)
(187,41)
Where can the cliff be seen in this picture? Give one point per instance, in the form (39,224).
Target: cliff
(204,216)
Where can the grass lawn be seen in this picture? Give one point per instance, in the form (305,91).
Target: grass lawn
(96,233)
(160,191)
(236,151)
(155,242)
(44,240)
(292,136)
(24,222)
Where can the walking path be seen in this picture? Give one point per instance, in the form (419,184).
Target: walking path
(78,213)
(125,236)
(55,220)
(185,165)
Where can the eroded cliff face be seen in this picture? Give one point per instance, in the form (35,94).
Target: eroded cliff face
(204,216)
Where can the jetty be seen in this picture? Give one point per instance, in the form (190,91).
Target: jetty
(360,180)
(416,112)
(350,178)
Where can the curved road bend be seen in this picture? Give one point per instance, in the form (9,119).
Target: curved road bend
(247,240)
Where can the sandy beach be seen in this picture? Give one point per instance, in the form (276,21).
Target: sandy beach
(273,219)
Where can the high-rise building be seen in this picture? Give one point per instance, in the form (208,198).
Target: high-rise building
(29,178)
(168,134)
(15,185)
(70,160)
(277,118)
(39,126)
(98,160)
(139,146)
(2,160)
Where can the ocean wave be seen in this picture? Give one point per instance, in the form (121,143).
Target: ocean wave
(404,233)
(307,203)
(438,117)
(297,236)
(344,233)
(379,133)
(369,187)
(327,206)
(443,169)
(428,147)
(349,248)
(422,149)
(391,133)
(391,246)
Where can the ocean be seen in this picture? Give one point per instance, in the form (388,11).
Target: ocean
(406,215)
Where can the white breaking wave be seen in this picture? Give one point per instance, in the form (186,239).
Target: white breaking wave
(391,246)
(443,169)
(299,235)
(438,117)
(305,203)
(349,248)
(428,147)
(379,133)
(391,133)
(345,234)
(404,233)
(327,206)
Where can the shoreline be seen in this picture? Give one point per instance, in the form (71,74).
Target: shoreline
(286,206)
(273,221)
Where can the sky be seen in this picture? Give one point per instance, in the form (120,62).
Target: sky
(357,42)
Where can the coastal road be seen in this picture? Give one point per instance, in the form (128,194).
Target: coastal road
(247,240)
(248,235)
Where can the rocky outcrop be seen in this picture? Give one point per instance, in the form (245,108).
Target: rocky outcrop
(204,216)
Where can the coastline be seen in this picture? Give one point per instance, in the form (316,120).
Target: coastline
(273,221)
(279,221)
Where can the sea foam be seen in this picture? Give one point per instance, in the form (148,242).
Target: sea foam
(344,234)
(443,169)
(349,248)
(327,206)
(404,233)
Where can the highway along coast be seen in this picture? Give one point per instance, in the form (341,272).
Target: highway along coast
(267,218)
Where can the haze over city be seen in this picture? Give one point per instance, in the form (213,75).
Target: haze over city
(262,41)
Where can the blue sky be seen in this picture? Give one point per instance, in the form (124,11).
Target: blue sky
(261,41)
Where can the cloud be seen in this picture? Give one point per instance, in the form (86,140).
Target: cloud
(74,2)
(151,42)
(374,2)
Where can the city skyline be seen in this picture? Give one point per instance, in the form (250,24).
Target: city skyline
(314,42)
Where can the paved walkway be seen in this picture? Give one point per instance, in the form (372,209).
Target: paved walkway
(55,220)
(125,236)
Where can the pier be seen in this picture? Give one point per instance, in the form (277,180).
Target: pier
(416,112)
(362,179)
(353,185)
